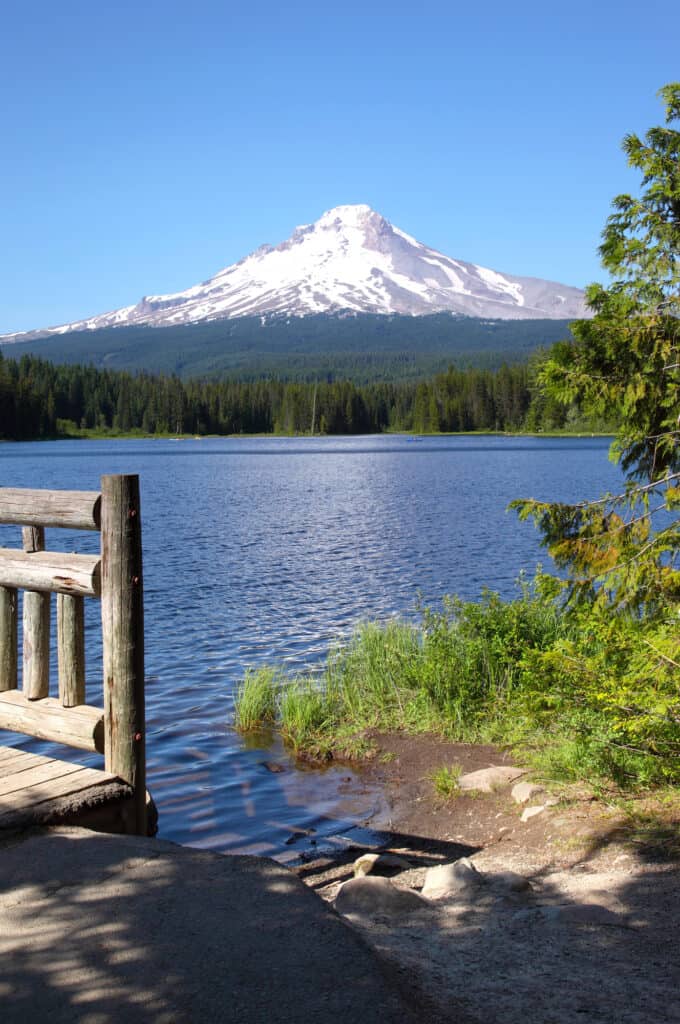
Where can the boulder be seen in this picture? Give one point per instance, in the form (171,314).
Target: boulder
(456,879)
(371,896)
(486,780)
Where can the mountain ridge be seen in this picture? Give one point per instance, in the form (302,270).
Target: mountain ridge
(351,260)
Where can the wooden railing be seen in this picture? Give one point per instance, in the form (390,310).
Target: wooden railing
(115,578)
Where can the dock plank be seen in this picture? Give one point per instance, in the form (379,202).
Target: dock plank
(19,760)
(36,775)
(69,785)
(35,789)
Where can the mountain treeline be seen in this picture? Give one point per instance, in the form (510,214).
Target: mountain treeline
(40,400)
(364,348)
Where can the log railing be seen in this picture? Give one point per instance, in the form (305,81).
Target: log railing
(115,578)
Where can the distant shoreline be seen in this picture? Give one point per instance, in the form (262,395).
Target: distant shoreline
(138,436)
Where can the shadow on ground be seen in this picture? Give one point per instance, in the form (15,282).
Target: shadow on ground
(98,928)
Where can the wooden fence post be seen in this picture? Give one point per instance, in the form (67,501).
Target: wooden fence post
(8,638)
(123,636)
(71,649)
(36,676)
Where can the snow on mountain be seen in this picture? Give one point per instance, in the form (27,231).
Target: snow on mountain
(354,260)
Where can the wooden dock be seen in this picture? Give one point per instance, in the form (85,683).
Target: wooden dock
(36,790)
(47,790)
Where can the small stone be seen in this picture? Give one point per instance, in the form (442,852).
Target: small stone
(486,780)
(450,879)
(379,864)
(368,896)
(511,881)
(523,791)
(582,913)
(531,812)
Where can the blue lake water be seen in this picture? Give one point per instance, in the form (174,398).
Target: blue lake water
(269,550)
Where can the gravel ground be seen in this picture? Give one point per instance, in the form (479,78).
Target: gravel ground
(592,940)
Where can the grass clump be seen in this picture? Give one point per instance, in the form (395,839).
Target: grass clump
(306,718)
(257,699)
(445,780)
(584,696)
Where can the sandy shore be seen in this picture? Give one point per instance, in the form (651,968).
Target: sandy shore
(592,936)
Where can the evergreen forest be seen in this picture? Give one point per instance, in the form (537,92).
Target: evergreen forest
(41,400)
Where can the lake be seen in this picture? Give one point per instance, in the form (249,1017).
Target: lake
(264,550)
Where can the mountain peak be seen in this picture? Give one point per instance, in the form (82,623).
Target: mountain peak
(351,213)
(349,260)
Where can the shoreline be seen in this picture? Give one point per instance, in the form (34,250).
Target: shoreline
(568,916)
(310,437)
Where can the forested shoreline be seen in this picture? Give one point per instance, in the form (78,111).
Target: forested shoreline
(41,400)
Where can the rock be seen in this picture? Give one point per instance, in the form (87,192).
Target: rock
(379,864)
(451,879)
(523,791)
(570,914)
(530,812)
(368,896)
(300,833)
(486,780)
(510,881)
(583,913)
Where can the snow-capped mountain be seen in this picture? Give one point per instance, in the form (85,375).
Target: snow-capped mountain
(354,260)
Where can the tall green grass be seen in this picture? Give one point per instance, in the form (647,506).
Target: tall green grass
(257,699)
(524,672)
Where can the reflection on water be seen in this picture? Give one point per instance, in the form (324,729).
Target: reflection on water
(269,550)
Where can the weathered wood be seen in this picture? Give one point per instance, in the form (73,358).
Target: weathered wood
(36,775)
(65,784)
(45,791)
(71,649)
(123,636)
(8,638)
(81,727)
(50,571)
(36,647)
(75,510)
(9,754)
(118,731)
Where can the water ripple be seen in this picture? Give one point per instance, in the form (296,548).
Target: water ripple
(268,550)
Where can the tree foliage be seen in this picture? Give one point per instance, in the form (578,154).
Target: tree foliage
(615,680)
(624,365)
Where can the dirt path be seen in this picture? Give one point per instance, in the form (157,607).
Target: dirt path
(591,939)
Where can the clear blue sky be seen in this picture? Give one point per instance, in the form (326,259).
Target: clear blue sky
(146,145)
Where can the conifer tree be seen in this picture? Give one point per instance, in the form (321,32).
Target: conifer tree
(624,365)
